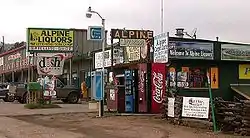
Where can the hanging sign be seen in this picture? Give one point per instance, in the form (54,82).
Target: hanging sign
(161,48)
(195,107)
(99,61)
(50,63)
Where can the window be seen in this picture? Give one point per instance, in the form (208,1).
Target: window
(188,77)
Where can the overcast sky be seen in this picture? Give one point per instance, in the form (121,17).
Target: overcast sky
(227,19)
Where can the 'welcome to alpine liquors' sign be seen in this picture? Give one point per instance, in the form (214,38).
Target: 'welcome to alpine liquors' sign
(191,50)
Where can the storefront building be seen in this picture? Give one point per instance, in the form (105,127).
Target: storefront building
(14,63)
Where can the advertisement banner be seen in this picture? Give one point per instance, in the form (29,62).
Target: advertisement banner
(191,50)
(171,107)
(214,75)
(142,73)
(50,63)
(244,71)
(99,61)
(50,39)
(158,85)
(196,107)
(235,52)
(161,48)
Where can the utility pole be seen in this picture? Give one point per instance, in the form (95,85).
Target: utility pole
(162,16)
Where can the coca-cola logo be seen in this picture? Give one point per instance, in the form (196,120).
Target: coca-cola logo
(158,87)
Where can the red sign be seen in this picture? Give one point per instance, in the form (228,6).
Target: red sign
(158,85)
(142,72)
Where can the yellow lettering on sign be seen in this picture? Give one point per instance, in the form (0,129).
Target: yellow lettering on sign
(50,37)
(244,71)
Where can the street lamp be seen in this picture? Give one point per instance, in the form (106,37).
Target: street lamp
(89,15)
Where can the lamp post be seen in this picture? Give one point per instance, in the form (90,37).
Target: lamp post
(89,15)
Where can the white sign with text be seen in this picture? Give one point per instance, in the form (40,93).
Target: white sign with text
(161,48)
(196,107)
(99,61)
(171,107)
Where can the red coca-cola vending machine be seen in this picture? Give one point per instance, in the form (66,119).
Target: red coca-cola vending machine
(158,86)
(142,85)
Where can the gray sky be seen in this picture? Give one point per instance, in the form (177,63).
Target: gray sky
(228,19)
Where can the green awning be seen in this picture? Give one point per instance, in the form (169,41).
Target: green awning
(242,89)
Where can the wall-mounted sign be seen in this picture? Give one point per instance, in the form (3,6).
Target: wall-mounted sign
(214,76)
(161,48)
(132,54)
(195,107)
(132,42)
(244,71)
(99,61)
(131,34)
(95,33)
(191,50)
(48,40)
(50,63)
(118,55)
(1,61)
(14,56)
(235,52)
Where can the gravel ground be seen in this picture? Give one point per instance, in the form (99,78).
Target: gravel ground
(86,125)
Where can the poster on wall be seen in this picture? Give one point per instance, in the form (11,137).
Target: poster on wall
(171,107)
(191,50)
(50,63)
(196,107)
(172,77)
(118,55)
(99,61)
(142,75)
(244,71)
(132,54)
(158,80)
(161,48)
(235,52)
(214,75)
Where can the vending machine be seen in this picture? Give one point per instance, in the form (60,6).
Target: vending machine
(129,98)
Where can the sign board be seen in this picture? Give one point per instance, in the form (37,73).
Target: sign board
(14,56)
(50,63)
(132,54)
(191,50)
(161,48)
(244,71)
(235,52)
(132,42)
(99,61)
(214,75)
(50,40)
(171,107)
(98,85)
(195,107)
(95,33)
(131,34)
